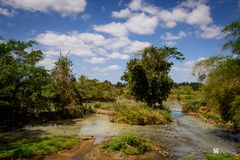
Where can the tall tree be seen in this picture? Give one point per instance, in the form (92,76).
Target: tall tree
(64,82)
(221,76)
(147,74)
(21,80)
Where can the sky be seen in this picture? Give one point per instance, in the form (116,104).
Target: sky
(102,35)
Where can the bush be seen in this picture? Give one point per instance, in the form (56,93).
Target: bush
(192,106)
(36,147)
(140,115)
(128,144)
(221,157)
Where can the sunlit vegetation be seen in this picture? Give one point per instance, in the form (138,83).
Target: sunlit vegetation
(147,75)
(140,115)
(36,147)
(92,90)
(129,144)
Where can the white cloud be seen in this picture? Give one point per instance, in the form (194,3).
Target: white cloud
(210,32)
(121,14)
(135,5)
(64,7)
(187,66)
(117,43)
(142,24)
(199,16)
(171,39)
(136,46)
(6,12)
(107,69)
(115,29)
(94,46)
(96,60)
(117,55)
(47,63)
(64,43)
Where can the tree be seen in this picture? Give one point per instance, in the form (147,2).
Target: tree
(21,80)
(147,75)
(64,84)
(222,86)
(233,35)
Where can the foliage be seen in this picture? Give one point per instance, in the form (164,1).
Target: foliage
(22,82)
(147,76)
(128,144)
(140,115)
(70,100)
(36,147)
(222,86)
(93,90)
(233,35)
(221,157)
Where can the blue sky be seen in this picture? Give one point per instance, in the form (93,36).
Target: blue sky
(102,35)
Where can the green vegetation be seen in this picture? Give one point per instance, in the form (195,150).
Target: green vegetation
(147,76)
(36,147)
(221,157)
(128,144)
(92,90)
(140,115)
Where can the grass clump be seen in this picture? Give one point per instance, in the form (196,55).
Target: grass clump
(129,144)
(140,115)
(221,157)
(36,147)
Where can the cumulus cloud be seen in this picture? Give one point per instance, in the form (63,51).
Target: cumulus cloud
(64,43)
(171,39)
(211,31)
(95,60)
(93,46)
(115,29)
(142,24)
(107,69)
(136,46)
(121,14)
(117,55)
(64,7)
(143,18)
(6,12)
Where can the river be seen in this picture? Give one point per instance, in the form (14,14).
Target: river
(186,137)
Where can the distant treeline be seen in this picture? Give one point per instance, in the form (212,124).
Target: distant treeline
(194,85)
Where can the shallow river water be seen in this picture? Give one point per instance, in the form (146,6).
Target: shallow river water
(185,137)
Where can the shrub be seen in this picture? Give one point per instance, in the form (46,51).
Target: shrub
(140,115)
(128,144)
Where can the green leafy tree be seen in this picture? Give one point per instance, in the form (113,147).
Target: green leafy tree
(222,86)
(233,36)
(21,80)
(147,75)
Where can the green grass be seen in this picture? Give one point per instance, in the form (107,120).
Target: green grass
(129,144)
(221,157)
(140,115)
(36,147)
